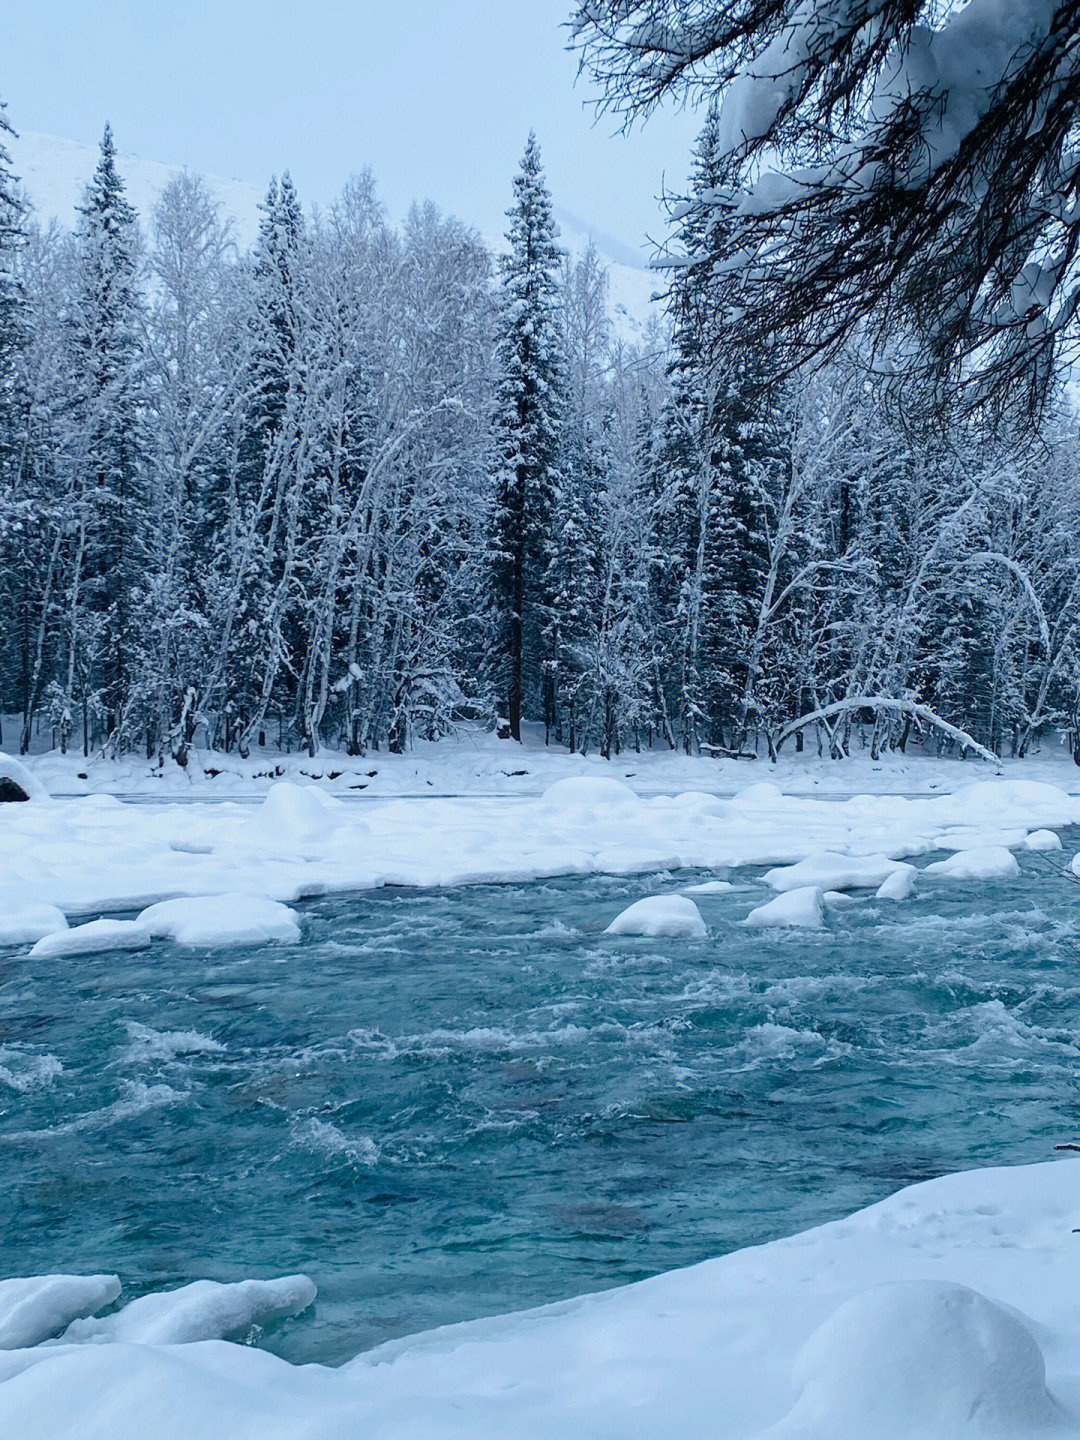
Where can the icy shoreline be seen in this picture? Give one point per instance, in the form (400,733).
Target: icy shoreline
(946,1310)
(933,1313)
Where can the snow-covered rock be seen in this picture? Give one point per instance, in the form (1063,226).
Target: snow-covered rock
(579,795)
(1043,840)
(709,887)
(93,938)
(990,862)
(203,1310)
(797,908)
(24,924)
(669,915)
(900,885)
(222,920)
(35,1309)
(923,1358)
(16,781)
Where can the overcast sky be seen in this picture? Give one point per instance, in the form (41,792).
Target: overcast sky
(437,96)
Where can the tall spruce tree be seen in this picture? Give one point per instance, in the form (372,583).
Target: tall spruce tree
(106,409)
(13,648)
(528,405)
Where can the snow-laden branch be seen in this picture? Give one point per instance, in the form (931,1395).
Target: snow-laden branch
(898,707)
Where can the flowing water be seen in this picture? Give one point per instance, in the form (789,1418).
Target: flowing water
(445,1104)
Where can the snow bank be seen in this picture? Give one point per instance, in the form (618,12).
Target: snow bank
(793,907)
(24,924)
(17,783)
(34,1309)
(671,915)
(93,939)
(990,862)
(204,1310)
(946,1311)
(222,920)
(923,1358)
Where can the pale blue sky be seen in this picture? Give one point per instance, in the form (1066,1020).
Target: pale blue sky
(437,96)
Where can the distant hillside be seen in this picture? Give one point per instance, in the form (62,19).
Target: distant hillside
(54,173)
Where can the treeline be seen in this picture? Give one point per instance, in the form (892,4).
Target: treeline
(363,483)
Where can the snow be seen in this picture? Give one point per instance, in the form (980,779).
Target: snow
(203,1310)
(833,872)
(16,772)
(35,1309)
(801,908)
(900,885)
(93,938)
(945,1311)
(222,920)
(989,862)
(1043,840)
(670,915)
(23,924)
(95,855)
(709,887)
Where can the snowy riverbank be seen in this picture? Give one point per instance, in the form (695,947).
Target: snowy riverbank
(946,1310)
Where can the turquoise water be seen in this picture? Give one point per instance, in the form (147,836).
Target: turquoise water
(449,1104)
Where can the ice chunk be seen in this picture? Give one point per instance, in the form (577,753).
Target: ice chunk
(40,1306)
(672,915)
(203,1310)
(829,871)
(792,907)
(93,938)
(921,1357)
(990,862)
(900,885)
(222,920)
(1043,840)
(709,887)
(28,923)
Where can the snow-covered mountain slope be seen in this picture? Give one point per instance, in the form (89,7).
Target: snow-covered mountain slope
(54,172)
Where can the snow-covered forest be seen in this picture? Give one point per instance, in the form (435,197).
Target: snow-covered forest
(365,482)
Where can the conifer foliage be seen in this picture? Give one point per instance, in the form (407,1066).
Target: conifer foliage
(527,420)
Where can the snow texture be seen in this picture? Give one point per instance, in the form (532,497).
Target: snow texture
(988,862)
(35,1309)
(203,1310)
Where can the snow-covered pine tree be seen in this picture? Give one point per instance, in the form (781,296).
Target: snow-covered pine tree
(106,450)
(527,419)
(13,655)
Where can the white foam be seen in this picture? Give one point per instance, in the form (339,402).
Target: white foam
(326,1139)
(147,1044)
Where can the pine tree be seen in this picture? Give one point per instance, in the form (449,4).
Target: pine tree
(528,406)
(108,441)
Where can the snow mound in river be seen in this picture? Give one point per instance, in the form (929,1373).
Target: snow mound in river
(298,812)
(920,1358)
(92,939)
(671,915)
(797,908)
(222,920)
(26,924)
(989,862)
